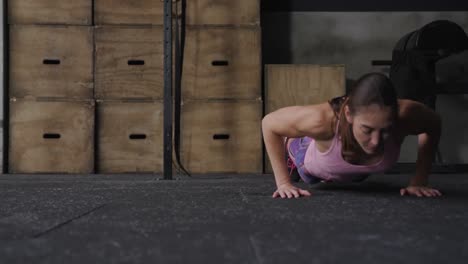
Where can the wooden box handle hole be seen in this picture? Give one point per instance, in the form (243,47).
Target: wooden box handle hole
(220,63)
(137,136)
(136,62)
(51,136)
(51,62)
(221,136)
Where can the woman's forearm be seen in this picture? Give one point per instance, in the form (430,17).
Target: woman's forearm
(427,145)
(274,145)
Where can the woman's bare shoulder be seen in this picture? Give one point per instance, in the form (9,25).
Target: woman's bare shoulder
(416,118)
(322,118)
(301,120)
(405,104)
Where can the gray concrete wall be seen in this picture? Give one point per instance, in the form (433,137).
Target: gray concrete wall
(357,38)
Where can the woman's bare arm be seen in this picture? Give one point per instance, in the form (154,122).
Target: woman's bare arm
(418,119)
(292,122)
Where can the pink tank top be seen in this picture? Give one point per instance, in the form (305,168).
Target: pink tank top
(330,165)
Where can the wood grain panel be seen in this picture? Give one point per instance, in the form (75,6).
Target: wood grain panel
(223,12)
(222,63)
(221,136)
(51,136)
(129,62)
(130,137)
(76,12)
(51,61)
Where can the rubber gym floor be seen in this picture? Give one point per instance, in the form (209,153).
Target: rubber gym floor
(228,219)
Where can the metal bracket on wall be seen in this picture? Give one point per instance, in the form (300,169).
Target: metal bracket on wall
(6,120)
(167,169)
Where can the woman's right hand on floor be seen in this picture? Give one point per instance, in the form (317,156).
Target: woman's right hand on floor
(288,190)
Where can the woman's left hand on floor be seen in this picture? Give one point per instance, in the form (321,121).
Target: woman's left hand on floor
(420,191)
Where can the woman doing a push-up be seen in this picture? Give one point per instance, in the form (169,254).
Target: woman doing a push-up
(350,137)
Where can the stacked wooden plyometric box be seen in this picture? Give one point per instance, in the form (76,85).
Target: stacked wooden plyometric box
(221,88)
(94,68)
(129,51)
(301,84)
(51,86)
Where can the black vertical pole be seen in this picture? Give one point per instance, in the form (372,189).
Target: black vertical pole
(168,89)
(6,95)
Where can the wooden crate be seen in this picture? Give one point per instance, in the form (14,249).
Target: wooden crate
(51,136)
(296,84)
(222,63)
(129,62)
(221,136)
(130,137)
(302,84)
(223,12)
(130,12)
(51,61)
(76,12)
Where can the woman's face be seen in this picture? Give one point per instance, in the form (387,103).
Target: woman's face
(371,126)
